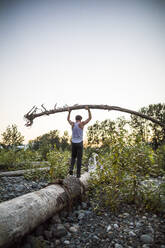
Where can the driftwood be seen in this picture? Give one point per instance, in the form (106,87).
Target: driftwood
(21,215)
(21,172)
(32,114)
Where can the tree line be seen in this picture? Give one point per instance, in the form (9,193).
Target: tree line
(100,134)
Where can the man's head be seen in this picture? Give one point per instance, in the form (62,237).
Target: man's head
(78,117)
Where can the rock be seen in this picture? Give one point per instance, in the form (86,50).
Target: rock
(116,226)
(74,229)
(19,188)
(81,216)
(34,185)
(118,246)
(66,242)
(57,242)
(146,239)
(139,224)
(84,205)
(34,241)
(132,234)
(96,237)
(55,219)
(125,215)
(47,234)
(146,246)
(109,228)
(64,214)
(60,231)
(67,225)
(27,245)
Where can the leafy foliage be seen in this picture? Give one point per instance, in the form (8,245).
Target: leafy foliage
(124,162)
(12,137)
(59,163)
(46,142)
(150,131)
(17,159)
(161,156)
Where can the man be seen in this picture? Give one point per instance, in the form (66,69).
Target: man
(77,140)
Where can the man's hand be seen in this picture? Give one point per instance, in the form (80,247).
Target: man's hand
(69,110)
(89,116)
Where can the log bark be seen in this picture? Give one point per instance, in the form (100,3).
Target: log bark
(32,114)
(21,215)
(21,172)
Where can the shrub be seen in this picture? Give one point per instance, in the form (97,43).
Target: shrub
(59,163)
(120,171)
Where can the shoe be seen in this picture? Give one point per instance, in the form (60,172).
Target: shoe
(78,176)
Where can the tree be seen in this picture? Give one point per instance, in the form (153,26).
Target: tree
(46,142)
(12,137)
(151,132)
(105,132)
(65,141)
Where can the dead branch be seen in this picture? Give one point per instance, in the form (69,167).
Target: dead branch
(31,115)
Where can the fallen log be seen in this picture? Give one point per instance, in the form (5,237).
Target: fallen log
(32,114)
(21,215)
(21,172)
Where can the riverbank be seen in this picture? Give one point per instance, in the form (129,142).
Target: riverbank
(84,227)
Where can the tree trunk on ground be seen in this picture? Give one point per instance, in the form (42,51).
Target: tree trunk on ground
(21,215)
(21,172)
(32,114)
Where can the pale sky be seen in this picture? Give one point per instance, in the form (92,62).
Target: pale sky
(79,52)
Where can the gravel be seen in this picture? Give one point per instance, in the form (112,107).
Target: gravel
(85,228)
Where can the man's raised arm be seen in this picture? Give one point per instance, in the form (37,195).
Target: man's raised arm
(68,119)
(89,116)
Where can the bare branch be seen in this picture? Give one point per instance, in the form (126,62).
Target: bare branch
(30,116)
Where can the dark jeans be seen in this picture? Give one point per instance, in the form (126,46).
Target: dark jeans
(77,152)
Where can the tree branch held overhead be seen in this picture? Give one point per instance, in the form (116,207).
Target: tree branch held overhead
(32,114)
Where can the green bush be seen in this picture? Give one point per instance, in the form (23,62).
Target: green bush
(120,172)
(59,163)
(8,159)
(17,159)
(161,156)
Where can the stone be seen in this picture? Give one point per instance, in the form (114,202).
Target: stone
(132,234)
(81,216)
(60,231)
(116,226)
(125,215)
(47,234)
(109,228)
(74,229)
(146,246)
(66,242)
(64,214)
(96,237)
(56,219)
(67,225)
(27,245)
(84,205)
(34,185)
(118,246)
(139,224)
(146,239)
(20,188)
(57,242)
